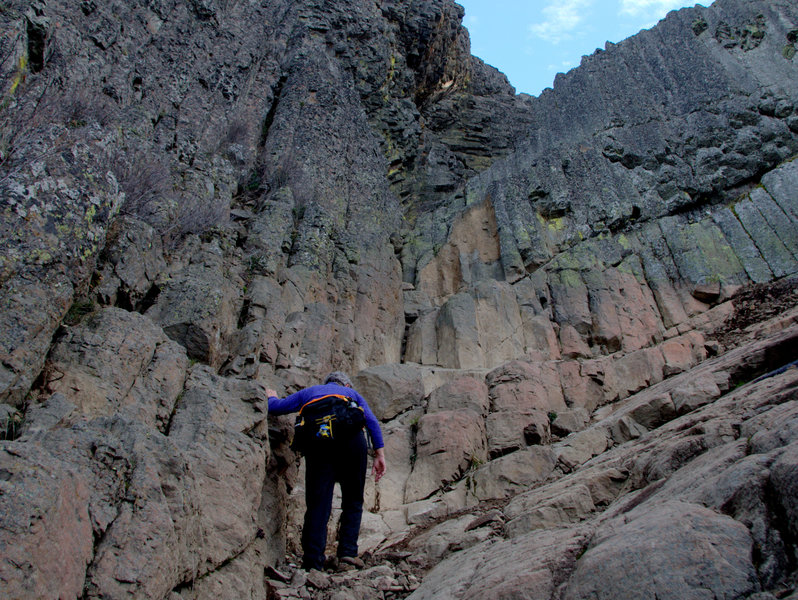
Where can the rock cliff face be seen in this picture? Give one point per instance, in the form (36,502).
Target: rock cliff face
(558,306)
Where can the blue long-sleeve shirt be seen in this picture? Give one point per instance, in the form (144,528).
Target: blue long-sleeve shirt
(292,403)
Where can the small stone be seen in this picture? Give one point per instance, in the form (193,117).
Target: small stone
(318,580)
(486,519)
(299,579)
(707,292)
(274,573)
(385,584)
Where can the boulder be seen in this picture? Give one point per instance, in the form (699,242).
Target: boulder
(163,518)
(639,370)
(580,447)
(570,499)
(654,410)
(452,535)
(390,389)
(580,390)
(199,307)
(625,429)
(738,485)
(523,395)
(512,473)
(556,509)
(220,427)
(784,478)
(526,566)
(462,393)
(694,393)
(47,539)
(118,362)
(682,353)
(707,292)
(125,486)
(510,430)
(566,422)
(447,444)
(522,386)
(691,552)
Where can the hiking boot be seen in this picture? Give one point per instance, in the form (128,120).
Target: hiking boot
(308,565)
(350,563)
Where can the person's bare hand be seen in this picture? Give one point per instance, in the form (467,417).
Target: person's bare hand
(271,394)
(378,467)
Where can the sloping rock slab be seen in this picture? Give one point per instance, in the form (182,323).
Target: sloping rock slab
(527,567)
(675,550)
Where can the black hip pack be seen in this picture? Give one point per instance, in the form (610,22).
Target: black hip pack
(324,420)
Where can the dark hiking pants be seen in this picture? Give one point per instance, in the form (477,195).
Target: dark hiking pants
(343,461)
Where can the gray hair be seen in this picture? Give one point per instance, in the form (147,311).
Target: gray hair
(339,378)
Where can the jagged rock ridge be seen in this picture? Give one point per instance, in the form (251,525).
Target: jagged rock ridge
(204,199)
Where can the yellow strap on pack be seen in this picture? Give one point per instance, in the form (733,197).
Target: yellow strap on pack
(345,398)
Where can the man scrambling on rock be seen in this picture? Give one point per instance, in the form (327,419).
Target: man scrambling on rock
(329,432)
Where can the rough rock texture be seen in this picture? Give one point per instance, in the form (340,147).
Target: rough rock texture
(574,314)
(677,509)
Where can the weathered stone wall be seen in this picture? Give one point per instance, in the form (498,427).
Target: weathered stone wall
(651,183)
(204,199)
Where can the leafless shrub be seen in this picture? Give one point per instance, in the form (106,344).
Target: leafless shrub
(289,172)
(152,196)
(10,422)
(36,105)
(237,131)
(195,215)
(147,185)
(81,106)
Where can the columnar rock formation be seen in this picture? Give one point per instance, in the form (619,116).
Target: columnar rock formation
(204,199)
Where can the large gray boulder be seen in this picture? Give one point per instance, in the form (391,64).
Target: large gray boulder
(390,389)
(674,550)
(190,490)
(118,362)
(198,307)
(447,444)
(528,566)
(48,493)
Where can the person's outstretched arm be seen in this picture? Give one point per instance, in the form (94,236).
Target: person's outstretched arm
(292,403)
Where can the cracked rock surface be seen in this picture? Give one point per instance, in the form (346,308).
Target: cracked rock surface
(574,315)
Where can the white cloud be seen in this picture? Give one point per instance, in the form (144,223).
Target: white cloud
(562,67)
(652,9)
(562,19)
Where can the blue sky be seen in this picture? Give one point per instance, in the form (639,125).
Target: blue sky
(531,41)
